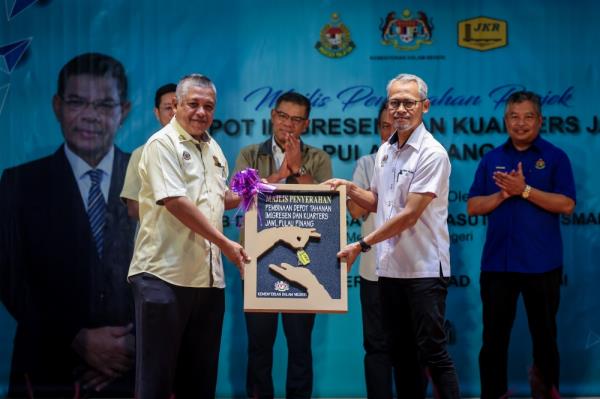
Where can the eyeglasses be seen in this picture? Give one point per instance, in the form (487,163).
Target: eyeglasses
(527,119)
(296,120)
(407,104)
(105,107)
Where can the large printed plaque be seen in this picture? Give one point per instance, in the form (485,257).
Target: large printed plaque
(293,235)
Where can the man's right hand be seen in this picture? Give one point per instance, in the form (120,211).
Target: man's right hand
(236,254)
(110,350)
(281,174)
(335,183)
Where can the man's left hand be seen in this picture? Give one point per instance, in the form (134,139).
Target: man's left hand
(236,254)
(293,154)
(512,183)
(350,252)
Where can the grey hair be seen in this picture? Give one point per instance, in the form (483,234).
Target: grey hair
(406,77)
(193,79)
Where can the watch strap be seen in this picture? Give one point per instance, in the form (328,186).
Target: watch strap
(364,247)
(526,191)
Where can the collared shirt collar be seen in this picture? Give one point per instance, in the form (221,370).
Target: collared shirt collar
(81,167)
(185,136)
(275,146)
(414,140)
(537,145)
(265,148)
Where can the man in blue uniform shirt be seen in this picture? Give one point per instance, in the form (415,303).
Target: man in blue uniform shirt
(523,186)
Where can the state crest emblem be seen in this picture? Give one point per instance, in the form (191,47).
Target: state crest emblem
(540,164)
(335,41)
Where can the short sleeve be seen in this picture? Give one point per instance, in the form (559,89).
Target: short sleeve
(160,167)
(563,176)
(432,174)
(132,183)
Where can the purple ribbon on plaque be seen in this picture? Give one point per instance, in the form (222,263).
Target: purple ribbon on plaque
(246,183)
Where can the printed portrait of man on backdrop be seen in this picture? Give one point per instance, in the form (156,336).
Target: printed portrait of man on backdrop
(66,243)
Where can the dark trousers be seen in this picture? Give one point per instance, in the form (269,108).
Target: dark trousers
(499,294)
(178,339)
(262,329)
(413,318)
(378,367)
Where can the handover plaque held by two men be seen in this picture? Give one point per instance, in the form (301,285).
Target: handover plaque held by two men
(292,235)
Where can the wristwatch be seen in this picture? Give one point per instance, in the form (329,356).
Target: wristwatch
(526,191)
(301,172)
(364,247)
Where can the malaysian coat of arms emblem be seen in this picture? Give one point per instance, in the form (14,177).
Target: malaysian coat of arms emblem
(406,32)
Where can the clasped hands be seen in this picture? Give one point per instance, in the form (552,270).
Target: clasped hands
(510,183)
(292,160)
(108,353)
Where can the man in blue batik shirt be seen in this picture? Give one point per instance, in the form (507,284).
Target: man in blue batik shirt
(523,186)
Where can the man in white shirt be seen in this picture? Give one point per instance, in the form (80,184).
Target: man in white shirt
(409,191)
(177,271)
(378,369)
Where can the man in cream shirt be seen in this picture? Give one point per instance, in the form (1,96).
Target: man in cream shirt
(177,272)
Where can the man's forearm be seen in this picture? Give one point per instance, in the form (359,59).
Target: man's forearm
(552,202)
(392,227)
(231,200)
(405,219)
(484,204)
(356,211)
(187,213)
(364,198)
